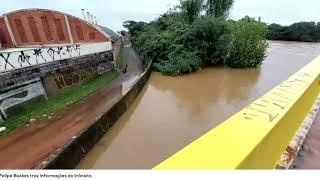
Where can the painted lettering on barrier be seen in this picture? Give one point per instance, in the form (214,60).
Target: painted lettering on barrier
(271,105)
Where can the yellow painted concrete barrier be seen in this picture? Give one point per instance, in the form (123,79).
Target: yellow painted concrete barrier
(255,137)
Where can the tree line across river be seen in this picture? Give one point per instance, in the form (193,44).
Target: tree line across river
(197,33)
(302,31)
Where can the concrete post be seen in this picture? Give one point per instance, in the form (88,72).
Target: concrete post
(68,28)
(10,31)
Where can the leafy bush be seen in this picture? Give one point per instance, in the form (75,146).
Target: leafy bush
(249,43)
(179,62)
(185,39)
(210,38)
(153,44)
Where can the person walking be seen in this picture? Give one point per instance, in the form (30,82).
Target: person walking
(125,69)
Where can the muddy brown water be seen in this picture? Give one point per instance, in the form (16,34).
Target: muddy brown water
(171,112)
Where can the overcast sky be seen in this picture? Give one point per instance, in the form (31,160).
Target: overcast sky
(112,13)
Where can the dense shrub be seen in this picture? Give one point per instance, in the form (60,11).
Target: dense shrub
(302,31)
(210,38)
(186,39)
(249,43)
(153,44)
(179,62)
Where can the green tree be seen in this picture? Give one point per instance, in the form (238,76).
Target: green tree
(191,9)
(249,44)
(134,27)
(180,61)
(210,38)
(219,7)
(183,40)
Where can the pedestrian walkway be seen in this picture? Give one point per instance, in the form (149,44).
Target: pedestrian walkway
(309,155)
(27,147)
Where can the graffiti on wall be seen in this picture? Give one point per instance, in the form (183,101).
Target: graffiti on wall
(69,79)
(5,58)
(66,80)
(23,58)
(104,67)
(11,60)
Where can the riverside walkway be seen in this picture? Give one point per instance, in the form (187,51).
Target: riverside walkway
(309,156)
(27,147)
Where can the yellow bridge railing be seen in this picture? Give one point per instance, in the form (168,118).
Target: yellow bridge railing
(255,137)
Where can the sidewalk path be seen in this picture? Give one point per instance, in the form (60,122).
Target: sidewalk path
(309,155)
(27,147)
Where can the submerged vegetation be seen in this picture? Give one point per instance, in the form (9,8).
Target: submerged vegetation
(249,45)
(197,34)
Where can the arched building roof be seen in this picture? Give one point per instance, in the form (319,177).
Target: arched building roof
(34,27)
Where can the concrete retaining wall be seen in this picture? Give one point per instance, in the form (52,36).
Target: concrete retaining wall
(71,153)
(30,90)
(56,69)
(19,85)
(76,71)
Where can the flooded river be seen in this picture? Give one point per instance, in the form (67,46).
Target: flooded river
(171,112)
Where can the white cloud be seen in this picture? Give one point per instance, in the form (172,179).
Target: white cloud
(278,11)
(112,13)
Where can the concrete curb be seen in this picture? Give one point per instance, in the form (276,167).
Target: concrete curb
(70,154)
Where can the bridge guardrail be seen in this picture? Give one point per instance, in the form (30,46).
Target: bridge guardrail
(255,137)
